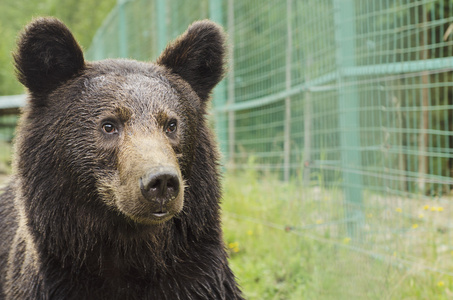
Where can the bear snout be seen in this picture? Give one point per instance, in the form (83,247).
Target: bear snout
(160,185)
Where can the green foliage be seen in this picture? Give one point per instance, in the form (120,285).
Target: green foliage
(82,16)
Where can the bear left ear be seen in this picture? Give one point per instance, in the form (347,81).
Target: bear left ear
(47,55)
(197,56)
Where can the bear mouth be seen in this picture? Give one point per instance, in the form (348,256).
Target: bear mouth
(152,218)
(158,217)
(160,214)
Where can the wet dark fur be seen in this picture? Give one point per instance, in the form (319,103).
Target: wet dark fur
(59,238)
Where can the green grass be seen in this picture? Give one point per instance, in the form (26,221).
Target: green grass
(288,242)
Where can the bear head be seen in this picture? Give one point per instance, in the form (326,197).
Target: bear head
(121,131)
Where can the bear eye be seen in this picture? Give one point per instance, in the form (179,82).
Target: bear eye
(171,127)
(109,128)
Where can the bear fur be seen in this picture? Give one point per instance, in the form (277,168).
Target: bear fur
(115,192)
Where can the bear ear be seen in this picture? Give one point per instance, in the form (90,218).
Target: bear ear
(197,56)
(47,55)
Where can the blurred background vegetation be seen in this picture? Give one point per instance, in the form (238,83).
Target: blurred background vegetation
(82,16)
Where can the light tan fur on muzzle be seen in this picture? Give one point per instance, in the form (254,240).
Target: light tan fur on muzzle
(138,156)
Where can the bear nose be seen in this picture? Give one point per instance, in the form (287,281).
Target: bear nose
(161,186)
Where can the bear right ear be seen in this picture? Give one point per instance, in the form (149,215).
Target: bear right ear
(198,56)
(47,55)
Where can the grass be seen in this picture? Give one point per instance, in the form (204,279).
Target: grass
(288,242)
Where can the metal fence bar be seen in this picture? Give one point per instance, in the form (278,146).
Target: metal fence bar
(288,64)
(348,114)
(231,84)
(122,29)
(161,24)
(12,102)
(319,84)
(220,93)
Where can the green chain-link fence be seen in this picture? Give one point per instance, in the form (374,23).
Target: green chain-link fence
(356,89)
(344,94)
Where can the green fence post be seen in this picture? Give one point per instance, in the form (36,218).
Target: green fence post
(161,13)
(308,125)
(122,29)
(348,105)
(287,122)
(219,94)
(231,85)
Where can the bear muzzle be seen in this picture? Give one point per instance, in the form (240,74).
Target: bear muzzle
(151,187)
(153,197)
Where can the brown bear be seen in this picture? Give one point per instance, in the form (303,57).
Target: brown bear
(116,188)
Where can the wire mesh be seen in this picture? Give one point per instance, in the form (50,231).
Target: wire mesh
(350,96)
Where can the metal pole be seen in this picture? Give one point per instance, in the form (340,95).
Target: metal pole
(219,93)
(122,29)
(348,105)
(287,124)
(308,116)
(161,19)
(231,88)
